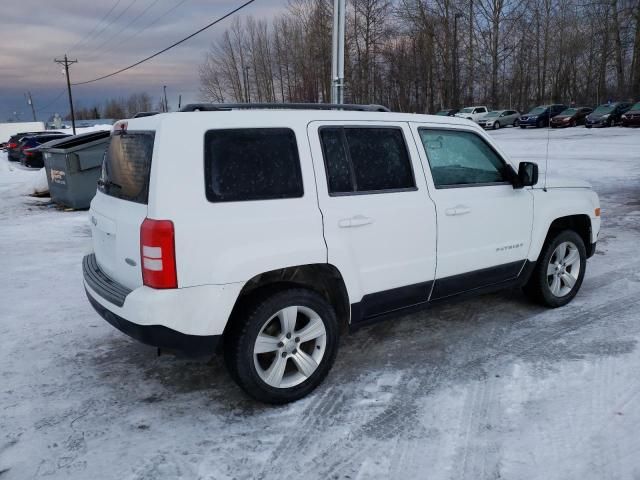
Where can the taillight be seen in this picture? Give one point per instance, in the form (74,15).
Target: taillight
(158,254)
(12,145)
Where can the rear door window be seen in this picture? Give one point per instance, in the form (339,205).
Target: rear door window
(252,164)
(366,160)
(127,165)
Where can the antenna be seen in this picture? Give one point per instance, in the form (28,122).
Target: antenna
(546,160)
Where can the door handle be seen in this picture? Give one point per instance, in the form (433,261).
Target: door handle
(356,221)
(458,210)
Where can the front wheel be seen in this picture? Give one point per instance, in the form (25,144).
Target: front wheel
(496,126)
(559,271)
(285,347)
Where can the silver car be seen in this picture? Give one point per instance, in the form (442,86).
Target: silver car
(500,118)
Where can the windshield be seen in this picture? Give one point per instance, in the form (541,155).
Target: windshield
(538,110)
(493,114)
(569,112)
(602,109)
(443,113)
(126,166)
(467,110)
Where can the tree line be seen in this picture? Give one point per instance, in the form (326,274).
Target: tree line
(424,55)
(116,108)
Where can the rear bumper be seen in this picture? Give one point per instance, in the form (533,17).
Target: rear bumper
(187,319)
(159,335)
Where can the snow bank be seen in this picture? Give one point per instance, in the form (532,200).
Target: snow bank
(39,184)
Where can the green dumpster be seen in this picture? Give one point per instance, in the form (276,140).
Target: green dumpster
(73,165)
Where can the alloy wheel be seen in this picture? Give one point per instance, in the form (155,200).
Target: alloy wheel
(290,346)
(563,269)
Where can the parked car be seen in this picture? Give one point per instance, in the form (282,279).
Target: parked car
(448,112)
(571,117)
(607,115)
(500,118)
(13,150)
(30,154)
(472,113)
(297,236)
(540,116)
(631,118)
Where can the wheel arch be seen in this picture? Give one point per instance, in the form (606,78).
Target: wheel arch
(322,278)
(579,223)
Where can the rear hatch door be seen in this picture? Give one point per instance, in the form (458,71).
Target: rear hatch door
(120,205)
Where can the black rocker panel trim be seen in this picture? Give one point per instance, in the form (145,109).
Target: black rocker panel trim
(389,300)
(398,301)
(445,287)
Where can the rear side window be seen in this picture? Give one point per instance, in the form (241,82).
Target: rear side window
(252,164)
(127,165)
(360,160)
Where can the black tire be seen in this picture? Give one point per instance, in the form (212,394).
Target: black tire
(539,124)
(496,126)
(611,123)
(537,288)
(573,123)
(523,126)
(516,122)
(239,344)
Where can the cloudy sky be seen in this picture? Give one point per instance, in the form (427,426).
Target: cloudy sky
(34,32)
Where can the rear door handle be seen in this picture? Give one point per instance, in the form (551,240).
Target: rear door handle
(458,210)
(356,221)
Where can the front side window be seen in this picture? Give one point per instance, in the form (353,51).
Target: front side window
(251,164)
(366,159)
(459,158)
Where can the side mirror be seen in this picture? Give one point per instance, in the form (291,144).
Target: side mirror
(527,175)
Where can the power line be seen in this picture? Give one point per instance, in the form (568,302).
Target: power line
(150,24)
(42,109)
(104,17)
(245,4)
(114,20)
(131,22)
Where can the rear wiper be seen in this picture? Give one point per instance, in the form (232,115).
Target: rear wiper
(108,183)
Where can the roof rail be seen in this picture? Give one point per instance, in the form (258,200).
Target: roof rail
(214,107)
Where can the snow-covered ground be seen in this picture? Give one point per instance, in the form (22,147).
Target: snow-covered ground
(485,388)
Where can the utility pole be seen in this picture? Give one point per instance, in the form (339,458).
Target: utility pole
(337,49)
(30,102)
(66,62)
(456,95)
(166,104)
(179,102)
(246,84)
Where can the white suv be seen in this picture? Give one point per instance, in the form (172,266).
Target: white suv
(265,233)
(473,113)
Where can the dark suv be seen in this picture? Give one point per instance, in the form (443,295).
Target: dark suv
(632,117)
(30,155)
(571,117)
(607,115)
(13,150)
(540,116)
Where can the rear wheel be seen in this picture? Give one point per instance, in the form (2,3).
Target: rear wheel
(516,122)
(559,271)
(285,347)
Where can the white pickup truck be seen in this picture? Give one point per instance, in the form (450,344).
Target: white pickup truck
(264,233)
(473,113)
